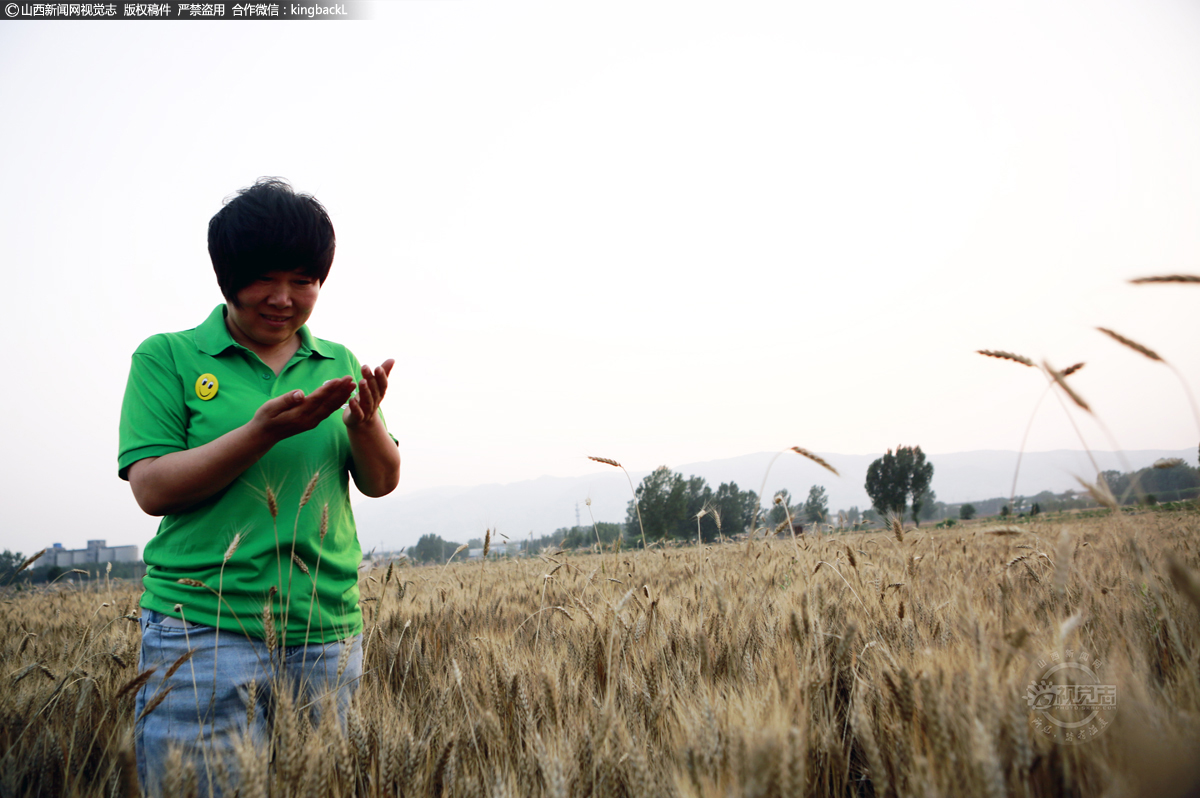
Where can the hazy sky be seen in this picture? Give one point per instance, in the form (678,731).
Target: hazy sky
(657,232)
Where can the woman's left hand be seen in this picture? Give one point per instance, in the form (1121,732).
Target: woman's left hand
(363,407)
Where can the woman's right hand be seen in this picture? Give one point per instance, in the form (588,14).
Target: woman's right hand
(293,413)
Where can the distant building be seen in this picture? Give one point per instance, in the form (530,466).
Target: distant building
(501,549)
(96,552)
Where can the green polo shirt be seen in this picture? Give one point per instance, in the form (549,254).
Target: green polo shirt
(188,388)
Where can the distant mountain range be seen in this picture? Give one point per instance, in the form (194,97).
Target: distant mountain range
(542,505)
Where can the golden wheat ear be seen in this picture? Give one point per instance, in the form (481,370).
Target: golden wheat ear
(636,506)
(1167,278)
(1000,355)
(1060,379)
(815,458)
(1145,351)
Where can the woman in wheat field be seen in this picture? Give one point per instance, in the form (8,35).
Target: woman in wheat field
(231,432)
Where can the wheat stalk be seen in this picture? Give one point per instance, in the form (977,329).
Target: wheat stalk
(1100,492)
(268,619)
(300,564)
(1184,580)
(815,458)
(636,503)
(292,558)
(1060,380)
(308,489)
(803,453)
(1167,278)
(135,683)
(153,703)
(178,663)
(322,529)
(1149,353)
(1145,351)
(229,552)
(1024,361)
(28,561)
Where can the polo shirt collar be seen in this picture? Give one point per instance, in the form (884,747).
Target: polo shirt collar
(213,338)
(308,345)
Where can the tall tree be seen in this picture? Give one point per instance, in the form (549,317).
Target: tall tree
(779,510)
(699,503)
(735,507)
(929,506)
(431,548)
(887,484)
(894,477)
(921,475)
(663,498)
(9,562)
(816,506)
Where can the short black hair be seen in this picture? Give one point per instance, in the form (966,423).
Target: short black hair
(269,227)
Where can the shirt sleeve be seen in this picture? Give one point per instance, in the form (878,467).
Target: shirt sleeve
(153,413)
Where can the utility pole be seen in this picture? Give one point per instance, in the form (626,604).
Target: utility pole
(577,523)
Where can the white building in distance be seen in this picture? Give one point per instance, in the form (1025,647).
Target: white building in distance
(96,552)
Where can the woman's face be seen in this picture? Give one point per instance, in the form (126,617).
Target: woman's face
(273,308)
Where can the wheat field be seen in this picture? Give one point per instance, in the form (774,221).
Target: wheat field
(891,663)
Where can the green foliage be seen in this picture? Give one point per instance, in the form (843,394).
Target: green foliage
(583,537)
(945,523)
(893,477)
(670,505)
(431,548)
(930,507)
(887,485)
(779,510)
(816,506)
(921,475)
(1166,484)
(736,508)
(966,512)
(663,502)
(1005,511)
(10,561)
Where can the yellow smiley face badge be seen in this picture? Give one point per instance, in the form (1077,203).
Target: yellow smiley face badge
(206,386)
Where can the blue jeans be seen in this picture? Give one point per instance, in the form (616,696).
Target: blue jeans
(206,717)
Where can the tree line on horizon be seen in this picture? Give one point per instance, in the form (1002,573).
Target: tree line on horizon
(674,507)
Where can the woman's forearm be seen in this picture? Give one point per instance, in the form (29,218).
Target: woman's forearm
(376,459)
(177,481)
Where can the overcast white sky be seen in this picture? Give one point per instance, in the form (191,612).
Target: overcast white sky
(659,232)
